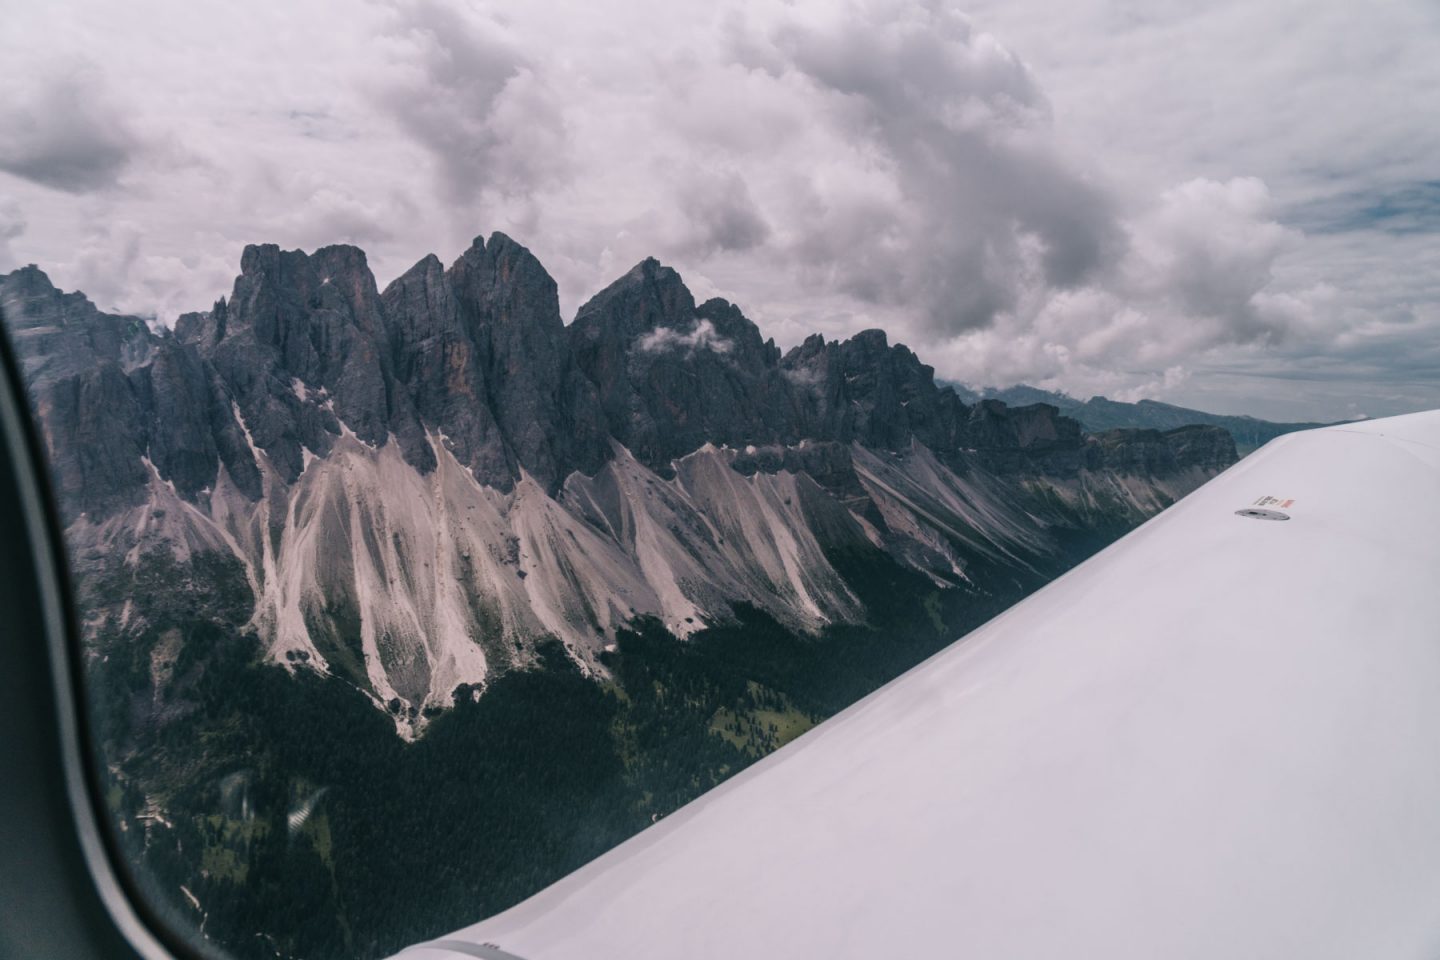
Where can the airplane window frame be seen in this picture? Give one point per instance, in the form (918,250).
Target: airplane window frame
(82,900)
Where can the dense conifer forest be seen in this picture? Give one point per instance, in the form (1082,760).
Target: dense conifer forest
(278,812)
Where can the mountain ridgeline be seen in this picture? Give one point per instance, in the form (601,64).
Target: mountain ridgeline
(1099,414)
(585,572)
(422,482)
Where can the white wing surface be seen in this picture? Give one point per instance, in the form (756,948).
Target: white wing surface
(1218,738)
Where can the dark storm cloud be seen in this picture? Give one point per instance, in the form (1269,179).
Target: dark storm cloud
(60,131)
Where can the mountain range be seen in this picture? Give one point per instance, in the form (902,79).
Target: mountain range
(421,482)
(585,571)
(1100,413)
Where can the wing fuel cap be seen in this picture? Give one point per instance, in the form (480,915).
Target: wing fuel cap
(1256,513)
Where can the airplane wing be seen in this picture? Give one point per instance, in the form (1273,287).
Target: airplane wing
(1220,737)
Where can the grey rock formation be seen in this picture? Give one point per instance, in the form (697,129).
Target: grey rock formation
(1099,414)
(442,367)
(671,376)
(421,483)
(1197,446)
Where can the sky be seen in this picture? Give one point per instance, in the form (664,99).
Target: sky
(1229,205)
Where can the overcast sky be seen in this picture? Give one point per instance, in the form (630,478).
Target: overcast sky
(1235,207)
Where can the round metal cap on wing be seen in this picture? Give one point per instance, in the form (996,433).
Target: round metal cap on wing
(1255,513)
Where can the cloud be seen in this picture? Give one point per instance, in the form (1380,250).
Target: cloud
(12,225)
(1203,258)
(61,131)
(940,201)
(1086,195)
(115,268)
(952,192)
(1196,276)
(720,214)
(463,91)
(702,336)
(322,214)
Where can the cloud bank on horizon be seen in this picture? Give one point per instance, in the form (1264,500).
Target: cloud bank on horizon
(1234,208)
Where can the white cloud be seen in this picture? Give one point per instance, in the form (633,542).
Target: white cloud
(1195,277)
(116,266)
(701,336)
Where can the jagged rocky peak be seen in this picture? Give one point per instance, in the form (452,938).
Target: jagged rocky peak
(420,483)
(59,334)
(650,306)
(671,376)
(511,306)
(28,283)
(302,351)
(881,382)
(865,390)
(440,363)
(480,351)
(204,328)
(315,309)
(476,357)
(1037,426)
(77,362)
(748,346)
(650,295)
(420,306)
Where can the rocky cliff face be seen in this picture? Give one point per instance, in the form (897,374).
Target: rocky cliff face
(423,482)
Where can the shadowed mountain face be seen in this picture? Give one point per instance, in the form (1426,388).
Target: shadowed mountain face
(422,483)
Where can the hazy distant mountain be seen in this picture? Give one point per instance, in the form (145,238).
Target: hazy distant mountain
(585,571)
(1099,413)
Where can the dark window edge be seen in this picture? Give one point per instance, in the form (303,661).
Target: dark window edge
(68,890)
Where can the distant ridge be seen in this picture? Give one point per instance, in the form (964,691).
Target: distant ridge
(1101,413)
